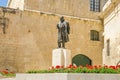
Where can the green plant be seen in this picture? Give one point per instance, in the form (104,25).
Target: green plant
(7,73)
(80,69)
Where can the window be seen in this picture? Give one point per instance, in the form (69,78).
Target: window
(108,47)
(94,35)
(95,5)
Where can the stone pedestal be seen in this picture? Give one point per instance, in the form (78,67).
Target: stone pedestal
(61,57)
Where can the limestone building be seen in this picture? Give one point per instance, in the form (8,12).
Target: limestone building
(111,15)
(28,32)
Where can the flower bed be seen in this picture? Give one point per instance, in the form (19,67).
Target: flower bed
(73,73)
(7,73)
(80,69)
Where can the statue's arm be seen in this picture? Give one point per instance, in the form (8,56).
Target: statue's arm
(68,28)
(57,26)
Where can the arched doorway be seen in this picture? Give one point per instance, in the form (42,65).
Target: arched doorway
(81,59)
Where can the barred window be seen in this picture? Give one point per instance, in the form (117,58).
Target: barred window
(95,5)
(108,47)
(94,35)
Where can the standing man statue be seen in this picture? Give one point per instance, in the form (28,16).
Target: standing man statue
(63,32)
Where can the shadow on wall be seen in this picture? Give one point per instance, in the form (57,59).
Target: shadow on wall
(118,63)
(82,60)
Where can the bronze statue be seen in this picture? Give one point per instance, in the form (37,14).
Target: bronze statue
(63,32)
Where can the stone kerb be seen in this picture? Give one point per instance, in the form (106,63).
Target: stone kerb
(7,79)
(68,76)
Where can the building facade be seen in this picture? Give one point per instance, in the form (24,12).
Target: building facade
(111,15)
(78,8)
(29,34)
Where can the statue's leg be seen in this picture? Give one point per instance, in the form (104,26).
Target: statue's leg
(63,41)
(63,44)
(59,45)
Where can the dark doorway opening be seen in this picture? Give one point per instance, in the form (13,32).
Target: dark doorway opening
(82,60)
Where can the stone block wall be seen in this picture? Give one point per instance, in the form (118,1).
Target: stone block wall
(78,8)
(31,36)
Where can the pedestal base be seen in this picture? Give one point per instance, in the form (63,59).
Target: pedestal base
(61,57)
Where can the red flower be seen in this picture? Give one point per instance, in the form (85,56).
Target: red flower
(100,66)
(105,66)
(118,66)
(81,66)
(62,66)
(95,67)
(51,68)
(87,65)
(113,67)
(70,66)
(90,67)
(75,67)
(57,66)
(5,71)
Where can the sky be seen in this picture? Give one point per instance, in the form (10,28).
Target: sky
(3,3)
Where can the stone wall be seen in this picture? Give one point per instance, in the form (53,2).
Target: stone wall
(78,8)
(31,36)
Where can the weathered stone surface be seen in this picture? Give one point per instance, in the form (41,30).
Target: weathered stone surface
(112,33)
(77,8)
(31,36)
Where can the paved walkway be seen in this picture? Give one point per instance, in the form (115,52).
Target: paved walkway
(7,79)
(4,78)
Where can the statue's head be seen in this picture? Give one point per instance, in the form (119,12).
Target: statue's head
(62,19)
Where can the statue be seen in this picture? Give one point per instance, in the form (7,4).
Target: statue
(63,32)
